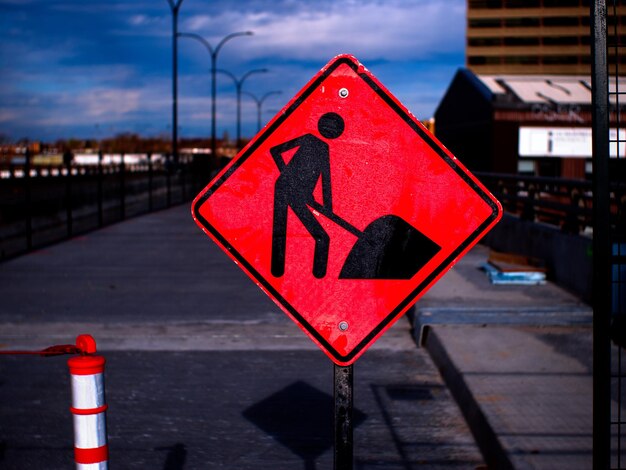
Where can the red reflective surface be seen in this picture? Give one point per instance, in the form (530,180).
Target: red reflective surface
(384,163)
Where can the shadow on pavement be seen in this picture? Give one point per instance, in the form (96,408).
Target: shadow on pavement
(176,456)
(300,417)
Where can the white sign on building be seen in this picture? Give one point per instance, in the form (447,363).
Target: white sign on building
(572,142)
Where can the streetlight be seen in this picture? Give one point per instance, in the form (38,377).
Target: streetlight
(213,52)
(175,6)
(259,104)
(238,85)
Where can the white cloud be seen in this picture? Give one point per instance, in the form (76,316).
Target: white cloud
(109,103)
(401,30)
(7,115)
(139,20)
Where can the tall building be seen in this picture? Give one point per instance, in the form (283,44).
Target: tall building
(523,103)
(537,36)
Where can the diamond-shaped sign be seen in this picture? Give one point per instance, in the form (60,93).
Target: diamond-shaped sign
(344,209)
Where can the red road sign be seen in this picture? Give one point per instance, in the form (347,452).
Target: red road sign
(344,209)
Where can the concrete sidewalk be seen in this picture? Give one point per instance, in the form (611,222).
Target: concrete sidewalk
(524,393)
(518,360)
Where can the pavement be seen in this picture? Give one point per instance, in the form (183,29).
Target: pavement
(518,360)
(204,371)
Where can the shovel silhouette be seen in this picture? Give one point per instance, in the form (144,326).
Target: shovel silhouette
(388,248)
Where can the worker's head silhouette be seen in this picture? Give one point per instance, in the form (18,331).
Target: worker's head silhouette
(330,125)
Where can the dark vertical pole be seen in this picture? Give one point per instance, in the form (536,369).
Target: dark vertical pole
(175,7)
(122,187)
(100,195)
(343,377)
(67,156)
(601,240)
(239,85)
(150,182)
(183,181)
(27,201)
(213,158)
(168,167)
(260,106)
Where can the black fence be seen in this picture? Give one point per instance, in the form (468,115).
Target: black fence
(609,244)
(42,204)
(566,204)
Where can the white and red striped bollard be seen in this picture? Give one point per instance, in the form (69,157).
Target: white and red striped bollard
(91,451)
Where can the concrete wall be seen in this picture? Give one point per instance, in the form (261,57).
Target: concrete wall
(567,257)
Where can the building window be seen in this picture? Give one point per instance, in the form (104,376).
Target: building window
(531,41)
(485,23)
(621,59)
(565,3)
(521,60)
(481,42)
(561,21)
(612,41)
(486,3)
(562,41)
(482,60)
(522,22)
(559,59)
(523,3)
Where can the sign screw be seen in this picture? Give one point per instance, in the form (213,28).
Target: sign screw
(343,93)
(343,326)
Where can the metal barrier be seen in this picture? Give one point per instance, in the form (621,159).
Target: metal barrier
(44,204)
(564,203)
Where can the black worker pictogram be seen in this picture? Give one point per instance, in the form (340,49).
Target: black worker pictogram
(388,248)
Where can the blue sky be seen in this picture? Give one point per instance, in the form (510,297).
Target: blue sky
(92,69)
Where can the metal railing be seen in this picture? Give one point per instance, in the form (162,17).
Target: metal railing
(563,203)
(42,204)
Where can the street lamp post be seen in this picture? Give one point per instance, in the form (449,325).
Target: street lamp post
(238,86)
(259,104)
(175,6)
(213,53)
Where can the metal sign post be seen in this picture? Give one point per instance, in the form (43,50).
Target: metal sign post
(343,378)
